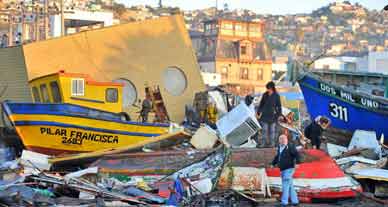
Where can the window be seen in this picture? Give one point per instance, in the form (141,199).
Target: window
(224,72)
(129,92)
(349,66)
(55,92)
(326,67)
(227,49)
(208,27)
(260,74)
(244,27)
(244,73)
(111,95)
(35,94)
(254,28)
(243,50)
(238,27)
(77,87)
(175,81)
(227,26)
(44,92)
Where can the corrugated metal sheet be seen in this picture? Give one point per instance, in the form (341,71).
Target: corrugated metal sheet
(13,76)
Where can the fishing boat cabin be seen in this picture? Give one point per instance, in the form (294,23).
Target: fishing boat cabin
(79,89)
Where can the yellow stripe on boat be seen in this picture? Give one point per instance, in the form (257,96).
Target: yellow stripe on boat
(53,134)
(95,123)
(52,139)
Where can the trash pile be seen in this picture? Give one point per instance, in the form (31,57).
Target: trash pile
(365,159)
(202,167)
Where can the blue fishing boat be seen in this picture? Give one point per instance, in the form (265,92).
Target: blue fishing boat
(348,109)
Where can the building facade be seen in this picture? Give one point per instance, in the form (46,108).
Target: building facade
(378,62)
(372,62)
(237,51)
(342,63)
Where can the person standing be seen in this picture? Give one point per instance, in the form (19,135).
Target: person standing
(314,130)
(268,113)
(4,41)
(286,159)
(146,108)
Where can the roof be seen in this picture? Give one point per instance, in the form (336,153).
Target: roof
(87,78)
(232,20)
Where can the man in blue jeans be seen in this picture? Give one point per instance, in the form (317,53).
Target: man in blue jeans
(268,113)
(285,159)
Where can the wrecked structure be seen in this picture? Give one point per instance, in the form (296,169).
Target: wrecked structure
(153,53)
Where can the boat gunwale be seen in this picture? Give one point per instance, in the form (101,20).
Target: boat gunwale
(380,111)
(86,128)
(347,89)
(9,113)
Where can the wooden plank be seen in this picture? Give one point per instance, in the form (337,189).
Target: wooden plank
(81,156)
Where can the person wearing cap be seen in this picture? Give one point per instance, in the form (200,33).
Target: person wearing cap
(314,130)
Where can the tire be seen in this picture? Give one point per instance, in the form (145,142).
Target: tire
(124,116)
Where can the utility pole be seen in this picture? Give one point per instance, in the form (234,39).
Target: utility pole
(62,20)
(10,29)
(46,19)
(216,12)
(21,40)
(37,23)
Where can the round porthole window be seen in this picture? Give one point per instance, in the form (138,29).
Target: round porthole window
(129,95)
(175,81)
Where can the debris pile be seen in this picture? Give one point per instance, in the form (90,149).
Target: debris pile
(365,159)
(204,167)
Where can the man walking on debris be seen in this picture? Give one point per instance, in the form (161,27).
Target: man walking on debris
(314,130)
(286,157)
(268,113)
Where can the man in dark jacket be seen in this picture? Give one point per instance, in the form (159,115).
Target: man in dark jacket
(286,157)
(268,113)
(314,131)
(146,108)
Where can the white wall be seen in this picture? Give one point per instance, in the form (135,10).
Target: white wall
(211,79)
(279,67)
(340,63)
(362,64)
(106,17)
(208,67)
(55,20)
(378,62)
(332,62)
(55,28)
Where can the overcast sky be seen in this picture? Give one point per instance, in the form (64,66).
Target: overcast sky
(259,6)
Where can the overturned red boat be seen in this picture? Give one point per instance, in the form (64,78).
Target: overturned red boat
(317,177)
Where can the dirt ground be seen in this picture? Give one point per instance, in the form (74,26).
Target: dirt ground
(356,202)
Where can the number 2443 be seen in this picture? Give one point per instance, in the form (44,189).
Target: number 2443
(339,112)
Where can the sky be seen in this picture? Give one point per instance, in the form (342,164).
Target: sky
(258,6)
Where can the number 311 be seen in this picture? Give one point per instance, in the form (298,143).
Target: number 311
(339,112)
